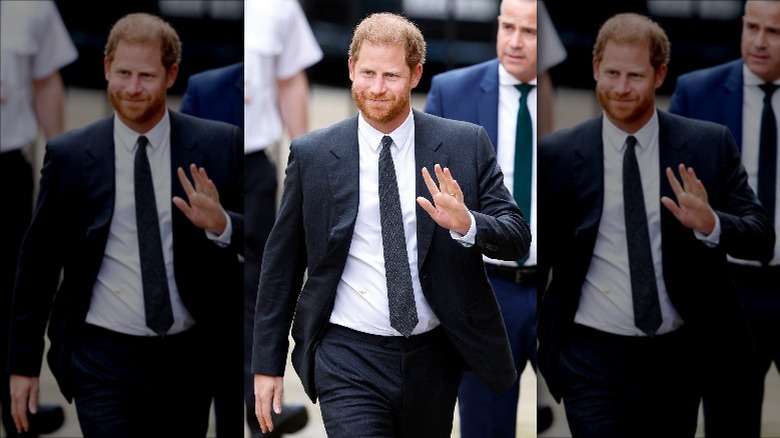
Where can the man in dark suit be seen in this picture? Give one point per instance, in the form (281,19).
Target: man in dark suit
(639,308)
(218,94)
(733,94)
(489,95)
(131,360)
(384,357)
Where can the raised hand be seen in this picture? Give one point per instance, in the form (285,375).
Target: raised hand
(204,209)
(447,208)
(692,208)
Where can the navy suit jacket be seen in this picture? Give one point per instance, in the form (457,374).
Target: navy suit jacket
(571,197)
(469,94)
(216,94)
(314,228)
(713,94)
(70,226)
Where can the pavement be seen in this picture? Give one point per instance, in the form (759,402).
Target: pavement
(329,105)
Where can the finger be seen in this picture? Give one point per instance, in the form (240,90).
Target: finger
(185,182)
(442,180)
(432,188)
(457,191)
(197,178)
(676,188)
(685,177)
(671,206)
(278,401)
(426,205)
(19,414)
(183,206)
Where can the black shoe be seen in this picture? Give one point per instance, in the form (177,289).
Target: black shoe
(48,419)
(292,419)
(544,418)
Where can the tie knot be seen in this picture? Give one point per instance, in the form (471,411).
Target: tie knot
(631,142)
(524,89)
(387,141)
(142,142)
(768,88)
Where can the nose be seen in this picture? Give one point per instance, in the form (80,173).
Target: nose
(517,41)
(378,85)
(621,85)
(133,85)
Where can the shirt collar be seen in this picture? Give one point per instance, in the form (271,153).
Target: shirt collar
(750,78)
(506,78)
(128,137)
(644,136)
(374,136)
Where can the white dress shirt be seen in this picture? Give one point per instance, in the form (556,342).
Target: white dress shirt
(117,297)
(752,106)
(508,106)
(361,296)
(606,302)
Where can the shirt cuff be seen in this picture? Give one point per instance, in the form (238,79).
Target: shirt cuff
(467,239)
(713,239)
(223,240)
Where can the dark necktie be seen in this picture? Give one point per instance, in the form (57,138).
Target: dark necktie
(767,153)
(523,155)
(400,295)
(157,301)
(647,311)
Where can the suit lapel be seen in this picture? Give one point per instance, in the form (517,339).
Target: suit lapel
(672,150)
(732,102)
(426,154)
(100,175)
(184,142)
(487,102)
(344,180)
(588,176)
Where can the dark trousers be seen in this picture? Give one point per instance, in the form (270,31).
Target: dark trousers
(259,213)
(16,175)
(482,413)
(132,386)
(728,415)
(383,387)
(628,386)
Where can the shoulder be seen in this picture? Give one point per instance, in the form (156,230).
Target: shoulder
(443,126)
(226,73)
(709,74)
(465,74)
(582,131)
(686,126)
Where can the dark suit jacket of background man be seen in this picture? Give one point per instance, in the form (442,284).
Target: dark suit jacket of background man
(314,229)
(570,203)
(718,92)
(217,94)
(479,106)
(70,227)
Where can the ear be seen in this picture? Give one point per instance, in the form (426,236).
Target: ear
(351,68)
(170,76)
(595,69)
(416,75)
(660,75)
(106,68)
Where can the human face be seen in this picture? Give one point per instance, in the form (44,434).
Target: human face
(516,39)
(382,84)
(761,39)
(626,84)
(137,82)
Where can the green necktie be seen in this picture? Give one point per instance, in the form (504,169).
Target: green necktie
(523,155)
